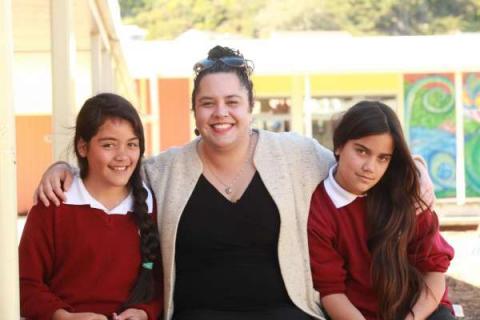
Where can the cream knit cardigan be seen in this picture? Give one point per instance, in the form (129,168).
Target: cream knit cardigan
(290,166)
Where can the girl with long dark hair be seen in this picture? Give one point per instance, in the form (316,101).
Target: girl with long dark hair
(93,256)
(373,255)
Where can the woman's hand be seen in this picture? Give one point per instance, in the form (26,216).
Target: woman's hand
(62,314)
(50,187)
(131,314)
(427,190)
(409,317)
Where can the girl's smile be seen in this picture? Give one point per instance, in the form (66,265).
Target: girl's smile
(112,155)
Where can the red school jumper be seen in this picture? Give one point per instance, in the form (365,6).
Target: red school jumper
(80,259)
(340,259)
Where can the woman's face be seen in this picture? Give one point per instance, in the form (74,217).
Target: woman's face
(363,162)
(222,112)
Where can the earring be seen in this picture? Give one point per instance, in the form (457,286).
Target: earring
(250,129)
(196,132)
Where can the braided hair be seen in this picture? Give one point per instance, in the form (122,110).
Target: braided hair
(94,112)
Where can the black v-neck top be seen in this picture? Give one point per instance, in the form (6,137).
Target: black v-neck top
(226,253)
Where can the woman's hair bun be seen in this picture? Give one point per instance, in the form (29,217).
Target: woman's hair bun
(218,52)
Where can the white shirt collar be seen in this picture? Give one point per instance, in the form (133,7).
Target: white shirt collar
(79,195)
(339,196)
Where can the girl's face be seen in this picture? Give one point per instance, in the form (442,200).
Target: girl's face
(112,154)
(222,112)
(363,162)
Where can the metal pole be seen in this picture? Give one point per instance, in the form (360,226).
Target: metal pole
(9,292)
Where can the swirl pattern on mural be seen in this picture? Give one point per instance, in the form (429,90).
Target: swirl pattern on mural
(471,103)
(430,119)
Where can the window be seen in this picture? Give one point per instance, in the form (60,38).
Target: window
(272,113)
(325,111)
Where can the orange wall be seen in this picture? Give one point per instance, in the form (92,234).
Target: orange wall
(144,107)
(147,129)
(174,101)
(34,155)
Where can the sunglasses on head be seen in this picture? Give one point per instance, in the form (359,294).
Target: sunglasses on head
(231,61)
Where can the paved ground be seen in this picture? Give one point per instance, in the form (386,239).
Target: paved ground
(464,272)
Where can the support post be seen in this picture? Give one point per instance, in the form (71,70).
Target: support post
(63,76)
(460,139)
(9,292)
(155,113)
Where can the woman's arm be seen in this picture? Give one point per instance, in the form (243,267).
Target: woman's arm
(430,297)
(55,181)
(339,307)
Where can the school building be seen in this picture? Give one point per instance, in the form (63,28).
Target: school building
(302,80)
(55,54)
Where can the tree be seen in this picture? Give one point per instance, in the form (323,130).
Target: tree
(169,18)
(426,17)
(294,15)
(130,8)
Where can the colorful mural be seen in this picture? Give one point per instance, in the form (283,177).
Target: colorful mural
(430,126)
(471,126)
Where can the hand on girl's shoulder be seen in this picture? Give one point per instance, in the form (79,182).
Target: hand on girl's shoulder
(427,189)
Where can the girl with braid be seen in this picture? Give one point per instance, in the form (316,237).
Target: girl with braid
(373,254)
(93,257)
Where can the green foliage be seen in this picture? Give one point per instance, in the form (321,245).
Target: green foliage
(130,8)
(169,18)
(410,17)
(294,15)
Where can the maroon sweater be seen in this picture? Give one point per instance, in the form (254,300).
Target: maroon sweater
(340,259)
(79,259)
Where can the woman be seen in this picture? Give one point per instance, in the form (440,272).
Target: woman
(93,256)
(372,255)
(233,206)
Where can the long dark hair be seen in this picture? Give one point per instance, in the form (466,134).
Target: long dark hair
(243,72)
(391,214)
(93,114)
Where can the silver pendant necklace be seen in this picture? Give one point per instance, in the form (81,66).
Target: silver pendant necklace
(228,188)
